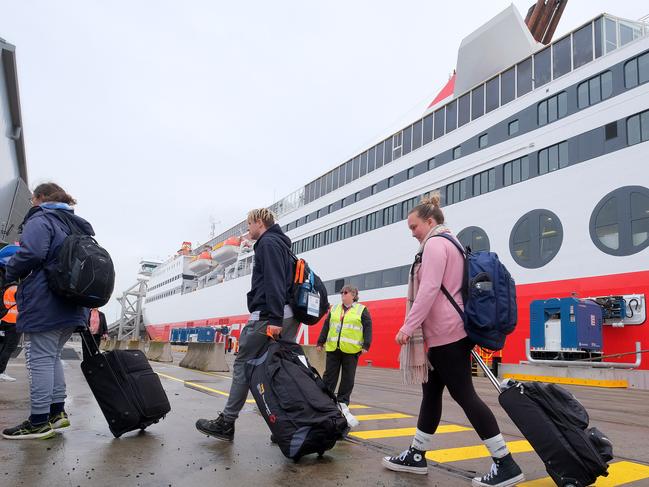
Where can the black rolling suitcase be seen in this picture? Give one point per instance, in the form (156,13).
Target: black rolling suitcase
(303,416)
(556,425)
(127,389)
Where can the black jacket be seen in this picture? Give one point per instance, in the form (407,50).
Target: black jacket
(366,321)
(272,275)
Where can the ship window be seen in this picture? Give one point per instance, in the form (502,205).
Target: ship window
(431,163)
(372,280)
(524,77)
(599,43)
(407,140)
(631,73)
(507,86)
(451,116)
(582,46)
(477,102)
(457,152)
(371,159)
(536,238)
(363,163)
(619,224)
(542,67)
(464,110)
(356,168)
(561,62)
(416,135)
(439,123)
(610,26)
(484,182)
(390,277)
(512,128)
(595,90)
(483,141)
(379,155)
(411,173)
(374,189)
(371,221)
(387,158)
(643,68)
(475,238)
(553,158)
(456,192)
(428,129)
(493,92)
(397,142)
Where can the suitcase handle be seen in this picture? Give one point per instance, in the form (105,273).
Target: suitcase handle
(487,371)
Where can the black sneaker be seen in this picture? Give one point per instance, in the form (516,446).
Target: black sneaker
(411,460)
(219,428)
(504,472)
(28,431)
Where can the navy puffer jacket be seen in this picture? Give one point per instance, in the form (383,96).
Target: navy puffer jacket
(40,309)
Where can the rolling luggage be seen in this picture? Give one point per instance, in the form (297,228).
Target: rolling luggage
(128,391)
(302,414)
(556,425)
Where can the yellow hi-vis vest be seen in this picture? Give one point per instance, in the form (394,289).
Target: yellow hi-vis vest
(345,329)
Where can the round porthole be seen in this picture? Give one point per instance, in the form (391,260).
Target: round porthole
(475,238)
(536,238)
(619,224)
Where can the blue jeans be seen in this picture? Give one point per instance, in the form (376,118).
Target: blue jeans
(46,379)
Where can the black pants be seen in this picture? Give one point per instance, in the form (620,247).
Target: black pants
(84,349)
(452,369)
(8,346)
(348,362)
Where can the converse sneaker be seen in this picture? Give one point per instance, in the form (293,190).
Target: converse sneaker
(411,460)
(6,378)
(219,428)
(28,431)
(504,472)
(59,421)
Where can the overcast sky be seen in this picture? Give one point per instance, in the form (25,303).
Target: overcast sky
(159,116)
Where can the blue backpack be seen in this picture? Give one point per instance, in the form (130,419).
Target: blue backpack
(489,295)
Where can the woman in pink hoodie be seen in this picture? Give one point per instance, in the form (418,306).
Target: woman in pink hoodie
(436,352)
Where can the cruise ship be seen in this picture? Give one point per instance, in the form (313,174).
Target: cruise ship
(539,148)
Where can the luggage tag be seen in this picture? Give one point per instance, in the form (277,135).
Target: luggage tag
(313,304)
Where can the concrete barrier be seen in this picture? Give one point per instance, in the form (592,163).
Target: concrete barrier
(317,359)
(103,344)
(159,352)
(113,344)
(135,345)
(208,357)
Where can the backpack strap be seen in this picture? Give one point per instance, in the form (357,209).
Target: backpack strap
(464,275)
(62,216)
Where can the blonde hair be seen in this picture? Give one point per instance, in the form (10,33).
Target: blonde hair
(264,214)
(429,207)
(351,289)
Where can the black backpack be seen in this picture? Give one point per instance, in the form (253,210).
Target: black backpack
(82,272)
(308,296)
(302,414)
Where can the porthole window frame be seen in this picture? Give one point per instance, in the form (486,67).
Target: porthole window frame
(536,262)
(626,247)
(473,229)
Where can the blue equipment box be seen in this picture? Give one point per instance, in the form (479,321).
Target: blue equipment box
(565,324)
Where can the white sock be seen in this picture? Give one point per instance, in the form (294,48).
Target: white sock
(422,441)
(497,446)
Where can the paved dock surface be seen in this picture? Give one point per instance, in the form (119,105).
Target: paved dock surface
(173,453)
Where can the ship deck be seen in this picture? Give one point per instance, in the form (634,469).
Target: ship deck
(173,453)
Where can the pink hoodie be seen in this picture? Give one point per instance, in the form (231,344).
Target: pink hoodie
(441,263)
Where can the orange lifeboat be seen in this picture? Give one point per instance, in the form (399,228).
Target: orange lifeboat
(226,252)
(201,263)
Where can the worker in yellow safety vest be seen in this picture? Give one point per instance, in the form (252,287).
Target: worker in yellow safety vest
(10,338)
(346,334)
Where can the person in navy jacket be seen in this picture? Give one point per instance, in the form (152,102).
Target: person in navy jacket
(46,319)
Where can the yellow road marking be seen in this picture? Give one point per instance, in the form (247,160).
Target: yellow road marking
(619,473)
(394,433)
(471,452)
(199,386)
(368,417)
(575,381)
(358,406)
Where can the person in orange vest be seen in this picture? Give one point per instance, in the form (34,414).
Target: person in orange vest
(8,328)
